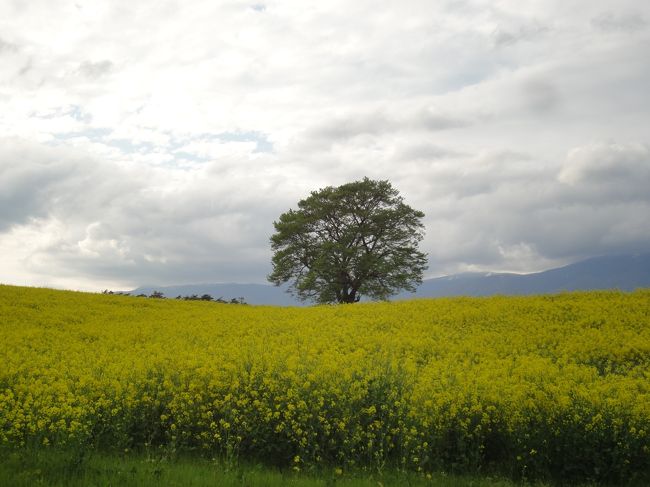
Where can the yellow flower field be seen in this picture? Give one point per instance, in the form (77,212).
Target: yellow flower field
(549,386)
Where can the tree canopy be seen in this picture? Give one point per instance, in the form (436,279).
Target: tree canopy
(345,242)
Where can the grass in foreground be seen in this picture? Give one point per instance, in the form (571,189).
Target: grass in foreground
(51,467)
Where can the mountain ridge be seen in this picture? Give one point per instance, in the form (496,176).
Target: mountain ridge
(625,272)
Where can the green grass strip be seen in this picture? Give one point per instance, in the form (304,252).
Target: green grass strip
(51,467)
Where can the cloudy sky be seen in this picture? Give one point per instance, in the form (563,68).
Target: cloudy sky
(156,141)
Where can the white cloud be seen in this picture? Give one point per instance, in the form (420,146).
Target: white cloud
(625,167)
(156,142)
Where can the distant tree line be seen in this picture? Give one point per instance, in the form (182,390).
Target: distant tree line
(193,297)
(207,297)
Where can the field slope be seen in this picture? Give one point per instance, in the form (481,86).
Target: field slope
(533,387)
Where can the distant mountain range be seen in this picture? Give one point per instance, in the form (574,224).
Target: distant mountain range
(624,272)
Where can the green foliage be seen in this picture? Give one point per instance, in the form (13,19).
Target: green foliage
(359,239)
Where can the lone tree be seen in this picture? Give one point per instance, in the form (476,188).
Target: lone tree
(358,239)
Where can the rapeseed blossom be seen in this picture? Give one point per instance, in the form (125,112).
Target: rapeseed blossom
(555,385)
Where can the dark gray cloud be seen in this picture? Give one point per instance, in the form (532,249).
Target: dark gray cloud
(29,179)
(339,129)
(505,36)
(346,127)
(96,69)
(425,151)
(540,95)
(623,22)
(6,46)
(434,121)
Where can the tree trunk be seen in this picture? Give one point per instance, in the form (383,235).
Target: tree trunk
(349,296)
